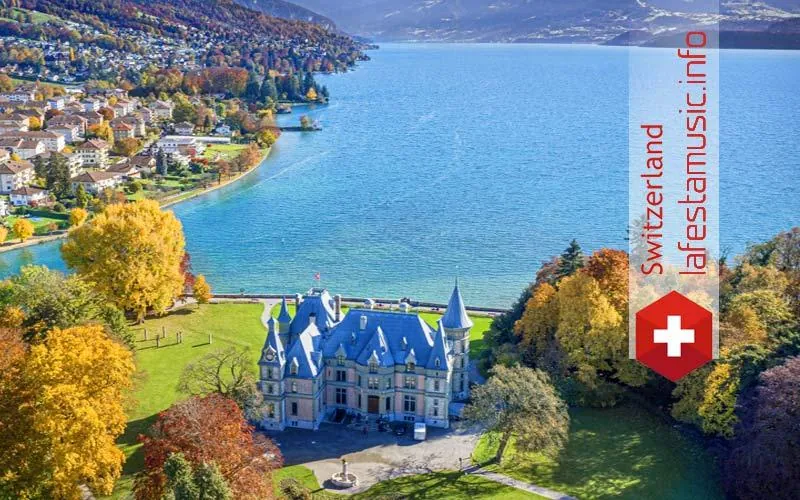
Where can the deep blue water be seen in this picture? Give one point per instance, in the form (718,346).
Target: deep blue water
(473,160)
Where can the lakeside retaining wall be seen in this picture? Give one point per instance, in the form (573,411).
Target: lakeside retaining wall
(355,300)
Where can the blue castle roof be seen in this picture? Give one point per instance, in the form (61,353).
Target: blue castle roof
(456,315)
(321,306)
(399,332)
(284,316)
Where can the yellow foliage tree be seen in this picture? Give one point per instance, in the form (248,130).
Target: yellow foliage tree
(132,253)
(102,131)
(719,401)
(537,326)
(11,317)
(201,289)
(3,235)
(62,412)
(22,229)
(34,123)
(311,95)
(77,216)
(593,334)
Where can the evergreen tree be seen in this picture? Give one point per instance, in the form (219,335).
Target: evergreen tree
(180,480)
(308,82)
(269,90)
(211,483)
(570,261)
(81,196)
(57,176)
(40,167)
(253,89)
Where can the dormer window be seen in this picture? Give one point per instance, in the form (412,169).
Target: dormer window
(437,363)
(403,344)
(340,360)
(294,386)
(293,367)
(410,366)
(373,367)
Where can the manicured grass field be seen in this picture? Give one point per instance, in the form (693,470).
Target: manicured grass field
(40,225)
(158,369)
(224,151)
(624,452)
(446,485)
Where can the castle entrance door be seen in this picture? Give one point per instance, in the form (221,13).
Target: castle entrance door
(373,404)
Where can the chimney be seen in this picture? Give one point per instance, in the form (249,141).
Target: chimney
(337,300)
(363,323)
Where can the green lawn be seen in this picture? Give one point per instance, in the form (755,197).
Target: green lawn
(225,151)
(40,225)
(158,369)
(623,452)
(445,485)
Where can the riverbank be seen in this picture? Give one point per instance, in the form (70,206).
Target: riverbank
(166,203)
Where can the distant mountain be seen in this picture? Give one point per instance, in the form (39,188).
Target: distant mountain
(578,21)
(287,10)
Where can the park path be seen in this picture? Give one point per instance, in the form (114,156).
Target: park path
(520,485)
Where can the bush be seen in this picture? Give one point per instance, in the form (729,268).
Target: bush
(21,211)
(59,208)
(293,489)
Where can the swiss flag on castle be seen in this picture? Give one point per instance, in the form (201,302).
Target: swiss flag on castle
(674,336)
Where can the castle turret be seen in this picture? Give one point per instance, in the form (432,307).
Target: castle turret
(457,324)
(271,372)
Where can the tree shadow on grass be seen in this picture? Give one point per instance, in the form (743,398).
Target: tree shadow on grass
(446,484)
(129,442)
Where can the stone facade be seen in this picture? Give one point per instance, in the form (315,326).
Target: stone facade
(371,363)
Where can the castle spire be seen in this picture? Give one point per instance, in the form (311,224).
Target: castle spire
(456,315)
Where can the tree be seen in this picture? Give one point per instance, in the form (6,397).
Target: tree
(132,253)
(311,95)
(62,410)
(22,229)
(765,459)
(610,269)
(203,483)
(570,261)
(34,123)
(520,402)
(3,235)
(201,290)
(265,138)
(49,300)
(127,147)
(227,372)
(101,131)
(77,216)
(209,429)
(81,197)
(719,401)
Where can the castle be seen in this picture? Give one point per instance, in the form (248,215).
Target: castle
(370,363)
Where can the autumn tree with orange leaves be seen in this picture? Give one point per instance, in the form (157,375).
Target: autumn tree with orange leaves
(205,430)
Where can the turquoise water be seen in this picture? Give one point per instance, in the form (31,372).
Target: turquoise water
(473,160)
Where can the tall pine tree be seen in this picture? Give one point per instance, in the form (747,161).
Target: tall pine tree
(570,261)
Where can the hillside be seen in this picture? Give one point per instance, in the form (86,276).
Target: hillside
(571,21)
(103,39)
(287,10)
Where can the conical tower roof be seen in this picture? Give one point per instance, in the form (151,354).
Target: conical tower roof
(456,315)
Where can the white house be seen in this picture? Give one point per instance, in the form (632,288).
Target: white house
(29,196)
(15,175)
(3,207)
(183,128)
(52,141)
(93,153)
(95,182)
(162,110)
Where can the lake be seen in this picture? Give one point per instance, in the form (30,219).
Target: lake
(476,161)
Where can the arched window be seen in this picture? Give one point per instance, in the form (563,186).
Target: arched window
(437,363)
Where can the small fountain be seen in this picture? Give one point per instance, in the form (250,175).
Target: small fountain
(344,479)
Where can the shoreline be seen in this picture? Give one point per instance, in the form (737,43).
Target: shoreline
(189,195)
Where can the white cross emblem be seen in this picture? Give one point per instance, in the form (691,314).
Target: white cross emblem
(674,336)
